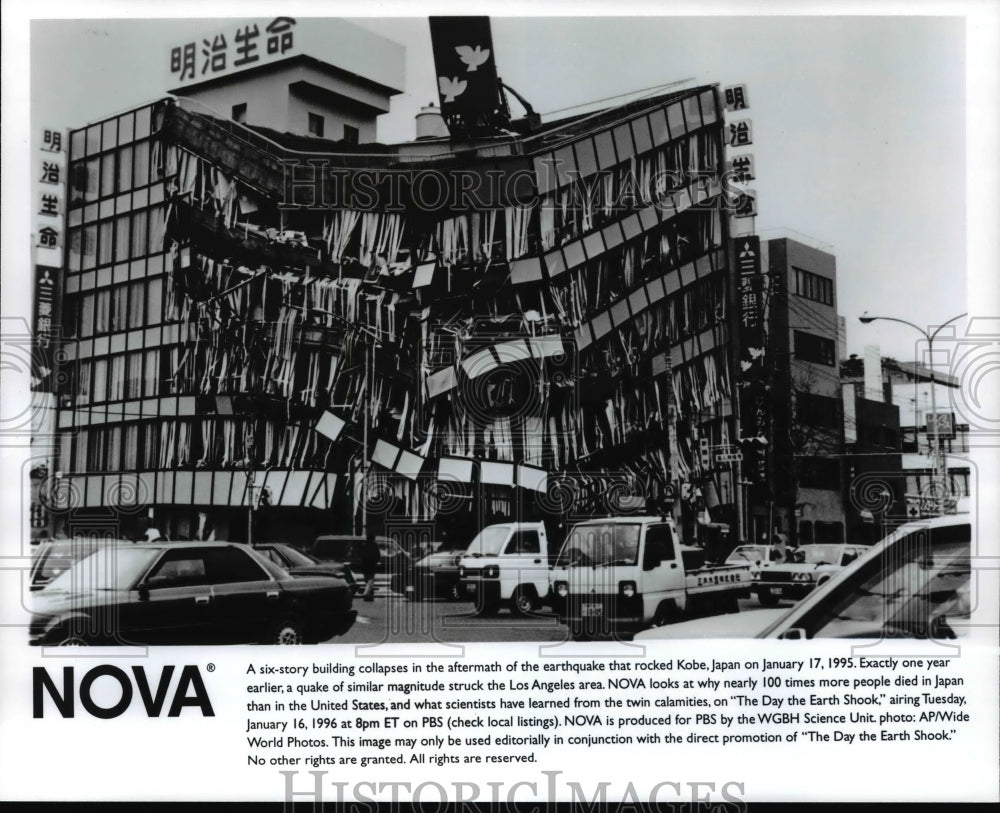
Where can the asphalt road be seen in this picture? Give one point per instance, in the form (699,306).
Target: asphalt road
(390,618)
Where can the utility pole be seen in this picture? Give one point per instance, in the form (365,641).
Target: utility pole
(365,412)
(250,502)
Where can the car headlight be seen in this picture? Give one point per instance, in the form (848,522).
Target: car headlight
(562,589)
(755,575)
(802,577)
(491,572)
(461,572)
(626,589)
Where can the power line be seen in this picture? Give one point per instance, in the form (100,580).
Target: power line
(619,96)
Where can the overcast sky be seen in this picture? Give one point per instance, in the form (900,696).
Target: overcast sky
(859,123)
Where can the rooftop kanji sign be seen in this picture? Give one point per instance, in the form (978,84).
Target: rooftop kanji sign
(235,47)
(232,47)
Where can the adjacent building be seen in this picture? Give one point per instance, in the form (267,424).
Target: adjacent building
(803,496)
(907,387)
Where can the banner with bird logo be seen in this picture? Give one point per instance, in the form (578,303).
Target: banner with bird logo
(466,70)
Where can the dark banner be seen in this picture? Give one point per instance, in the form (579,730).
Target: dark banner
(466,69)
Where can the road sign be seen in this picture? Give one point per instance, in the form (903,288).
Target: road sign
(941,425)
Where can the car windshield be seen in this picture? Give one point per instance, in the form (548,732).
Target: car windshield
(489,541)
(112,568)
(607,544)
(748,553)
(820,554)
(924,595)
(57,560)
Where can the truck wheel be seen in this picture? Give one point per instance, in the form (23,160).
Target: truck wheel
(524,602)
(767,599)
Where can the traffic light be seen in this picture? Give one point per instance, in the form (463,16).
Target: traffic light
(704,454)
(754,458)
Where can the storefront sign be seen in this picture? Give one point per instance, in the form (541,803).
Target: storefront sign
(941,425)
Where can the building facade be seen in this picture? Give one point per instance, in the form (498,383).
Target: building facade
(271,334)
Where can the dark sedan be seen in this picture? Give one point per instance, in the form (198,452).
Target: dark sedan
(348,548)
(435,575)
(299,563)
(187,593)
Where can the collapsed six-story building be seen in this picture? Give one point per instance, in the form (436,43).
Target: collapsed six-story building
(278,333)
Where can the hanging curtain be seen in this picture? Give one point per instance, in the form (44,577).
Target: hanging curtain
(338,237)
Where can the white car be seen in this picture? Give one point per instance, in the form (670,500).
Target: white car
(807,568)
(913,584)
(758,557)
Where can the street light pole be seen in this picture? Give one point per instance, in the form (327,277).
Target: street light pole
(932,435)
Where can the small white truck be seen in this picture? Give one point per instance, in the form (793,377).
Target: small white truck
(506,565)
(627,573)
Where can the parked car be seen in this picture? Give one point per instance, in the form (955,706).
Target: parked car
(187,593)
(347,548)
(299,563)
(435,574)
(757,556)
(916,583)
(809,567)
(53,557)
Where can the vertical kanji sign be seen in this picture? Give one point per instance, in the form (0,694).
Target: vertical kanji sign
(752,374)
(49,194)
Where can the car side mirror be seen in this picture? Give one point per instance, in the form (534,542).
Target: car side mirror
(143,592)
(793,634)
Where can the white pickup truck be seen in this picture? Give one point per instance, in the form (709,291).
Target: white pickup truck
(626,573)
(506,565)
